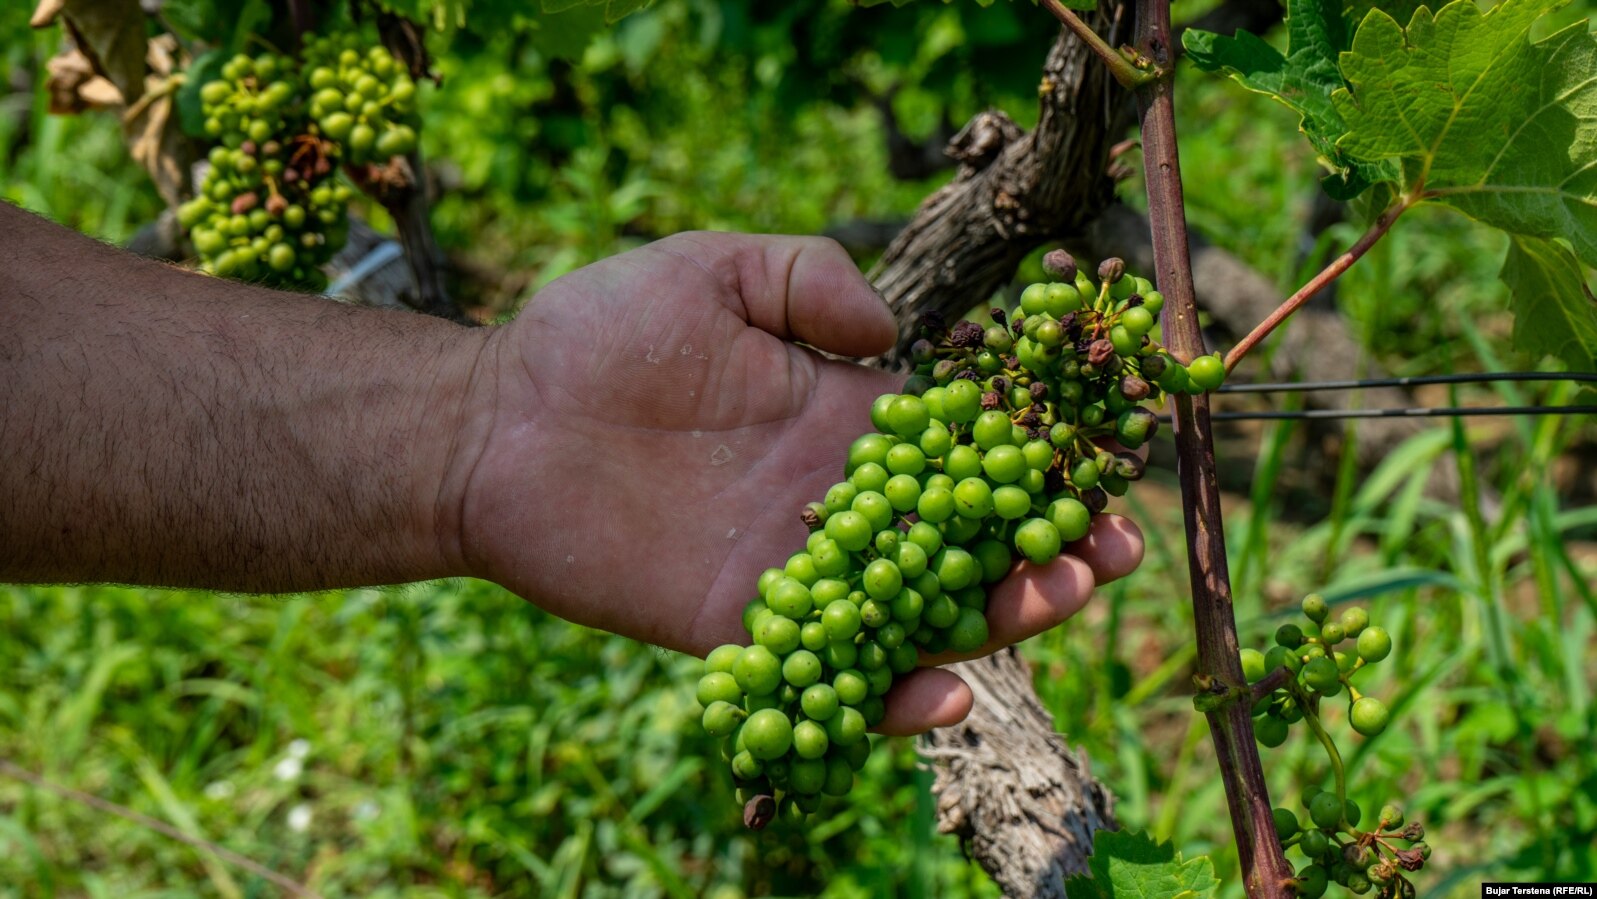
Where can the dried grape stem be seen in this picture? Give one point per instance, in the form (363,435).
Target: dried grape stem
(1265,870)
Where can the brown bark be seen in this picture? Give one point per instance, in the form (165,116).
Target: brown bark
(1014,191)
(1011,789)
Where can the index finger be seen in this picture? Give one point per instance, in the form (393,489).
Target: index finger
(795,288)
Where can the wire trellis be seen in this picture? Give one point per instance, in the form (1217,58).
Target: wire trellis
(1406,412)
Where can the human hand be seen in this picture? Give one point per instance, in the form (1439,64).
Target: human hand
(641,439)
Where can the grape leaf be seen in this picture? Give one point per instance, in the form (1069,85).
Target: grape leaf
(1130,865)
(1555,312)
(564,35)
(1480,117)
(616,10)
(1302,80)
(1355,10)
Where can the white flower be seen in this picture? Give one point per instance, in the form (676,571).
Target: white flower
(366,811)
(218,790)
(299,818)
(288,769)
(299,748)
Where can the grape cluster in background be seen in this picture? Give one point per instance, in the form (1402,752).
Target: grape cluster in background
(1005,443)
(1310,668)
(270,207)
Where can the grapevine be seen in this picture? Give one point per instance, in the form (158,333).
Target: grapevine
(1003,445)
(269,206)
(1310,669)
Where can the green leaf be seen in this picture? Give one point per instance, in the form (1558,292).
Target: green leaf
(1555,313)
(567,34)
(1480,117)
(1130,865)
(1354,12)
(1302,80)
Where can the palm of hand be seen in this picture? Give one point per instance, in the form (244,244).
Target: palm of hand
(666,431)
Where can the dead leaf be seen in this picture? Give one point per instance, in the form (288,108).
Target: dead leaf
(163,55)
(74,87)
(156,141)
(46,12)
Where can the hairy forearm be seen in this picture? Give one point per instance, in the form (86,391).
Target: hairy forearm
(162,427)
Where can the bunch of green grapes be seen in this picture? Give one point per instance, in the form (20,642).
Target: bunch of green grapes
(254,100)
(1310,668)
(996,450)
(263,214)
(361,97)
(270,206)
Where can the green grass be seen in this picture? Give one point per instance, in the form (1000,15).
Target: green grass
(447,739)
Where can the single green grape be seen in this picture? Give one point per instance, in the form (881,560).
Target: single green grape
(1070,517)
(757,670)
(1286,823)
(1004,464)
(1038,540)
(1354,620)
(767,734)
(851,687)
(1369,716)
(810,740)
(1322,676)
(1207,372)
(1253,665)
(1374,644)
(973,499)
(1270,731)
(1137,320)
(1391,817)
(907,415)
(1326,811)
(722,658)
(882,579)
(819,701)
(1313,882)
(969,633)
(721,718)
(1315,608)
(717,686)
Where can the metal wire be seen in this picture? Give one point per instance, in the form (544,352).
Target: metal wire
(1417,412)
(1351,384)
(1412,412)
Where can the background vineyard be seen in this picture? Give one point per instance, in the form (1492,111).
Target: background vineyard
(457,742)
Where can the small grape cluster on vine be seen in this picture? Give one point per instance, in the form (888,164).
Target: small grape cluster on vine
(1310,669)
(1005,442)
(270,207)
